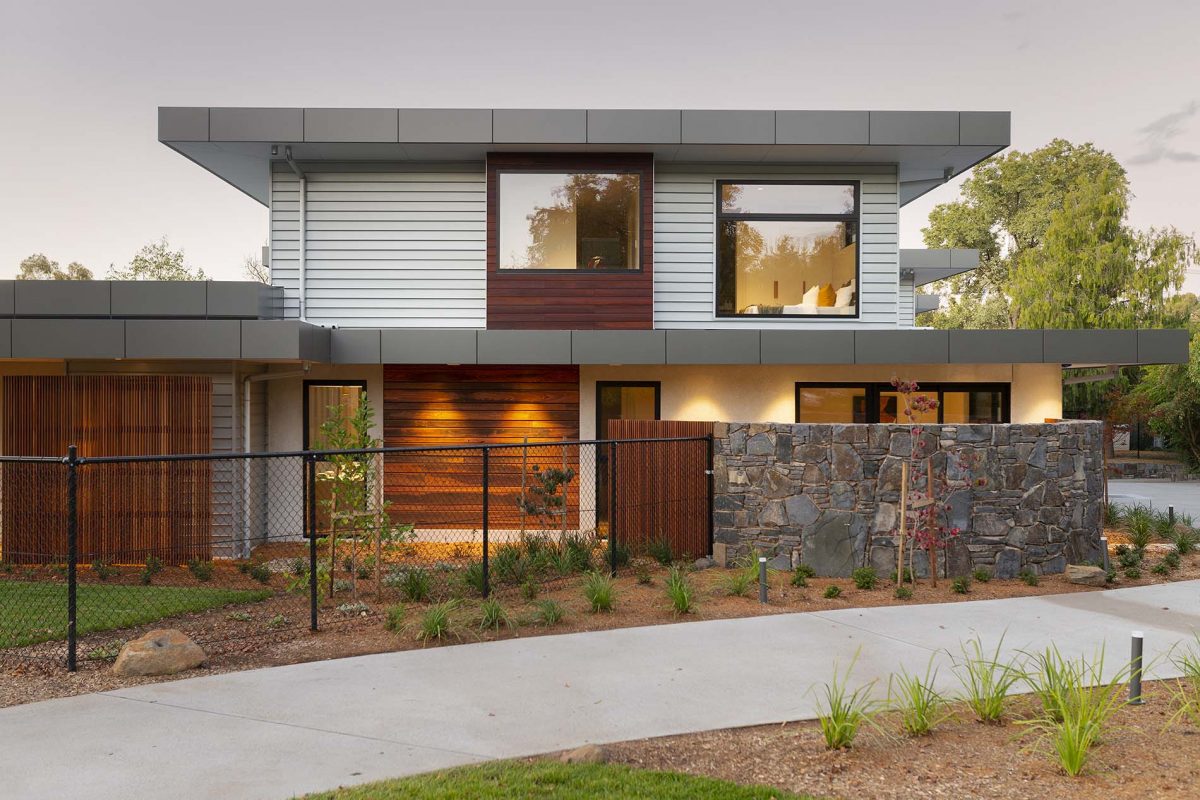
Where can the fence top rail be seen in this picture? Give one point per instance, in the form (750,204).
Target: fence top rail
(319,454)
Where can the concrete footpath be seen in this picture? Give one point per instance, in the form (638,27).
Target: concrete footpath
(277,732)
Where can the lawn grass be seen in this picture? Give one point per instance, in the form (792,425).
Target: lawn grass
(33,612)
(501,780)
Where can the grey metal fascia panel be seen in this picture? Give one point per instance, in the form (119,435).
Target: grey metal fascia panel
(925,258)
(996,347)
(901,347)
(923,303)
(461,125)
(238,299)
(8,303)
(624,126)
(269,339)
(256,124)
(159,298)
(1090,347)
(964,258)
(1167,346)
(807,347)
(355,346)
(822,127)
(316,343)
(914,127)
(426,346)
(728,127)
(68,338)
(5,338)
(712,347)
(539,126)
(182,124)
(61,299)
(985,128)
(350,124)
(618,347)
(524,347)
(183,338)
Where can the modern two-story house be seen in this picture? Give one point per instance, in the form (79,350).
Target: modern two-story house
(496,275)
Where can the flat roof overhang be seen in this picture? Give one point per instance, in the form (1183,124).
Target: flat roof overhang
(929,147)
(927,265)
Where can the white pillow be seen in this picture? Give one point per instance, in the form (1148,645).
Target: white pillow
(843,296)
(810,297)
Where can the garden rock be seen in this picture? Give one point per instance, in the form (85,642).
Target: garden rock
(783,563)
(587,754)
(1086,575)
(159,652)
(829,546)
(704,563)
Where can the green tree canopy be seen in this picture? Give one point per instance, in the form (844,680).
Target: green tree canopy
(39,268)
(157,262)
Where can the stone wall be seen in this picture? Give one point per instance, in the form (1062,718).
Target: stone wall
(1023,496)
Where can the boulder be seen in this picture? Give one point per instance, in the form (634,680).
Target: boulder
(829,546)
(704,563)
(160,652)
(1086,575)
(587,754)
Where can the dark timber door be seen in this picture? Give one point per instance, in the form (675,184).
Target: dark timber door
(632,400)
(662,488)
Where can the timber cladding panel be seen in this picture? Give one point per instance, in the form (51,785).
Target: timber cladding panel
(470,405)
(125,511)
(571,299)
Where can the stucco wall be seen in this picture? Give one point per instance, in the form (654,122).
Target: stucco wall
(768,393)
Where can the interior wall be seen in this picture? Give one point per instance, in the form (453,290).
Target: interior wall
(762,393)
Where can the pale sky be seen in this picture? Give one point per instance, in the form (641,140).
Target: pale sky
(84,178)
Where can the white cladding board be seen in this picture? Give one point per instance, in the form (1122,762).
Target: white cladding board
(388,246)
(685,243)
(908,312)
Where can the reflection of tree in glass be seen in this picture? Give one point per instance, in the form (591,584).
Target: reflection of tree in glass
(755,253)
(604,207)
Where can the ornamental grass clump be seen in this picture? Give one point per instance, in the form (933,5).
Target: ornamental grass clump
(416,584)
(680,592)
(492,615)
(921,707)
(986,680)
(1185,693)
(1185,538)
(549,612)
(600,591)
(437,622)
(842,712)
(741,579)
(1139,525)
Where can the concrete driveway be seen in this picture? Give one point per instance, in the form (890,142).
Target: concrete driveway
(1184,495)
(276,732)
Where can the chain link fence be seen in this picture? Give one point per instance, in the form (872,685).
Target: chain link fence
(95,551)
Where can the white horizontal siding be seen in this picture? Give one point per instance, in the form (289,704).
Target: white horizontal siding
(391,246)
(685,249)
(908,311)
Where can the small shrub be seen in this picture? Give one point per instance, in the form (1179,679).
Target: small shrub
(642,568)
(1122,549)
(276,622)
(920,706)
(1130,558)
(805,571)
(841,712)
(981,575)
(903,593)
(508,564)
(906,572)
(393,619)
(960,585)
(6,567)
(472,577)
(660,550)
(1161,568)
(416,584)
(578,548)
(623,554)
(437,621)
(536,545)
(530,589)
(492,615)
(1133,573)
(865,578)
(153,566)
(549,612)
(105,652)
(985,680)
(261,573)
(238,616)
(1028,576)
(1171,559)
(103,569)
(599,590)
(832,592)
(363,571)
(243,567)
(1110,576)
(201,570)
(353,609)
(298,567)
(799,578)
(680,592)
(341,585)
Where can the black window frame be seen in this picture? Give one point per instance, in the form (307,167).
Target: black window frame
(854,216)
(875,388)
(317,382)
(601,385)
(641,221)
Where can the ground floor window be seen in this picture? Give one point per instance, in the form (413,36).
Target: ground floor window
(958,403)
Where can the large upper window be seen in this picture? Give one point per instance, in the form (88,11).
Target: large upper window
(569,220)
(787,249)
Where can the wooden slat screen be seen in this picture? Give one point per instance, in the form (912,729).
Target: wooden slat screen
(125,511)
(662,487)
(440,405)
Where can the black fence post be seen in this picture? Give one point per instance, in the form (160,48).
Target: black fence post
(486,468)
(310,531)
(72,462)
(711,472)
(612,508)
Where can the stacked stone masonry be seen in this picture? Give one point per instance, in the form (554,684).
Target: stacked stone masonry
(1024,497)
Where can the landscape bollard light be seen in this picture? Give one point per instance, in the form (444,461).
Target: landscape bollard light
(762,580)
(1135,670)
(1171,514)
(1105,560)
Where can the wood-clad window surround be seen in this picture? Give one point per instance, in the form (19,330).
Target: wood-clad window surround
(614,297)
